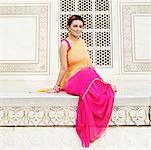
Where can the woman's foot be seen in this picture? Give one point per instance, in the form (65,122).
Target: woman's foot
(114,87)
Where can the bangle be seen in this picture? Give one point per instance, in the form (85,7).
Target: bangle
(57,88)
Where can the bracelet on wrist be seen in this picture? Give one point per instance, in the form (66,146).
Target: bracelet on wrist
(57,88)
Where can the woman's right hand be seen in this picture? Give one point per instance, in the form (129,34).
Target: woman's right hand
(51,91)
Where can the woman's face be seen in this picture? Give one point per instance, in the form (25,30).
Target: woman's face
(76,28)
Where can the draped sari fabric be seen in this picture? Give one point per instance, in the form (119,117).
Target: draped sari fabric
(95,105)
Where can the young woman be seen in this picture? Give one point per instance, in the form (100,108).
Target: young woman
(77,76)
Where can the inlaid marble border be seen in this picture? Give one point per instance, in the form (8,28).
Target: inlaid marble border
(66,115)
(42,11)
(127,9)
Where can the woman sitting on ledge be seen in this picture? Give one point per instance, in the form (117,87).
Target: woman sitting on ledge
(77,76)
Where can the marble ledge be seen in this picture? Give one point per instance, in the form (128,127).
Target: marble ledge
(59,109)
(63,99)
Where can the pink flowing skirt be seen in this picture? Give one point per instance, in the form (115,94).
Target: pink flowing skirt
(95,105)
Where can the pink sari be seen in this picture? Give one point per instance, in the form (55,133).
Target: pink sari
(95,105)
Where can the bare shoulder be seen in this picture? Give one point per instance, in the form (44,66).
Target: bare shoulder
(64,45)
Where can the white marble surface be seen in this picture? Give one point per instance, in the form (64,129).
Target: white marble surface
(16,92)
(125,87)
(64,138)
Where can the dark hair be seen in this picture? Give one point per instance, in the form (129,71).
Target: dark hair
(74,17)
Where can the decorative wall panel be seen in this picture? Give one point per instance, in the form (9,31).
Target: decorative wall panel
(66,115)
(128,11)
(41,64)
(97,30)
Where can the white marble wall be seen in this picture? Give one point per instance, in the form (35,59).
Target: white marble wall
(135,32)
(29,39)
(36,23)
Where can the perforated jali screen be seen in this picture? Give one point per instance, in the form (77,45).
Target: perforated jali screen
(97,31)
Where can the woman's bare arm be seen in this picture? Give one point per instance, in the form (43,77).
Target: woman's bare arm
(63,61)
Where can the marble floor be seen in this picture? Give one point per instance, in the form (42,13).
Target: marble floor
(65,138)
